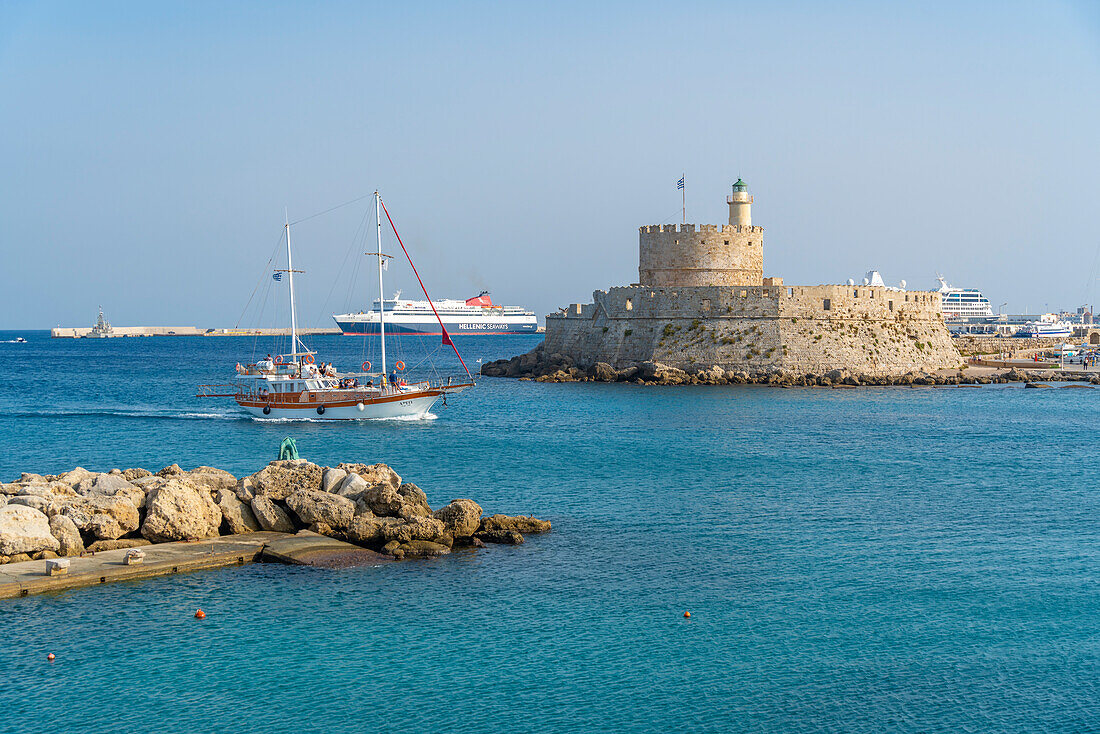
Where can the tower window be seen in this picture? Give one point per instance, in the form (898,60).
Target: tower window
(727,243)
(827,305)
(629,304)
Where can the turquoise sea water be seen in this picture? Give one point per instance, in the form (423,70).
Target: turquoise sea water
(881,559)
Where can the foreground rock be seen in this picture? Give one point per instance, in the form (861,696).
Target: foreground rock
(82,511)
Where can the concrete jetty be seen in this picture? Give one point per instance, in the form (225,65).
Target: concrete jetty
(164,559)
(80,332)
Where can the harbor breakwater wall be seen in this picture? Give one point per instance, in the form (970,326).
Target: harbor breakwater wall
(80,332)
(370,506)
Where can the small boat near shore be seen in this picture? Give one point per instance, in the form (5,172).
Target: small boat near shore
(294,386)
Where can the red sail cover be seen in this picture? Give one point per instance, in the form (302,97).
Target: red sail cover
(483,300)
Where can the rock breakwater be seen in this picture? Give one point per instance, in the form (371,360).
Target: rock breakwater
(543,366)
(80,511)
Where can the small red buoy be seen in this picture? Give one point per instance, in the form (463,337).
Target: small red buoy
(200,614)
(687,614)
(50,656)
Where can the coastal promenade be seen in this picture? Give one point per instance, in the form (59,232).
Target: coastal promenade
(303,548)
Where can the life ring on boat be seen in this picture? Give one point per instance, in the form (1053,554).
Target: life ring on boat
(308,359)
(278,359)
(399,364)
(320,410)
(365,366)
(267,410)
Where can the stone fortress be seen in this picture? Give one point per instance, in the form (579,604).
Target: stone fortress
(702,301)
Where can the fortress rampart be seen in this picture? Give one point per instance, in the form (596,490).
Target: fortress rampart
(703,301)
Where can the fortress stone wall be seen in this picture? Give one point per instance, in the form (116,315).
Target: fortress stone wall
(681,255)
(703,301)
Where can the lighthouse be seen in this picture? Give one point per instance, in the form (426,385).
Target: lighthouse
(740,204)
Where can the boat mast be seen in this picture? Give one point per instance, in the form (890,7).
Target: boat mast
(381,294)
(293,317)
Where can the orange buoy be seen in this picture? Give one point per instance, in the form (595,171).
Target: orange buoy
(50,656)
(399,364)
(200,614)
(687,615)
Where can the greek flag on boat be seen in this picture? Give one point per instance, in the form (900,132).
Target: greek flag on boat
(680,184)
(276,276)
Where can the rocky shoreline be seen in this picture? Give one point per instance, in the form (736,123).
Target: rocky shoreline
(82,512)
(539,366)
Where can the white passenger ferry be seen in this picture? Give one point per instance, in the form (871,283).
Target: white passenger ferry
(963,303)
(476,315)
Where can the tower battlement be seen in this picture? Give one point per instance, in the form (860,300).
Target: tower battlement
(671,255)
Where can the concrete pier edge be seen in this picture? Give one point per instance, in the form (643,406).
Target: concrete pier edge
(164,559)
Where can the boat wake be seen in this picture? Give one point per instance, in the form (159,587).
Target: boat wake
(128,413)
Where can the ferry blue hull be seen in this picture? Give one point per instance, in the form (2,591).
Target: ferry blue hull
(350,328)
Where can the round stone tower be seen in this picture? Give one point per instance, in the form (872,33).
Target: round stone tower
(671,255)
(740,204)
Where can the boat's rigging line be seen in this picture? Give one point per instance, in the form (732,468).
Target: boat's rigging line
(443,329)
(326,211)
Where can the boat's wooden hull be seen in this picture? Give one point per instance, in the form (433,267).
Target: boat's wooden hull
(401,405)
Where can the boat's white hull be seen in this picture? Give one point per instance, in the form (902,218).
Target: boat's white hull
(413,407)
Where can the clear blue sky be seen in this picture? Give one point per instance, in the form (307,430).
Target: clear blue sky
(147,150)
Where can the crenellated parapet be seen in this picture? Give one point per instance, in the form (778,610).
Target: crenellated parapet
(686,255)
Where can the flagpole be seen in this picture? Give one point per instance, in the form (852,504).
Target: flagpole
(683,197)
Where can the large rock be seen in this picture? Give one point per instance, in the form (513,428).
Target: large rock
(77,475)
(352,486)
(67,534)
(172,470)
(517,524)
(47,507)
(25,530)
(178,510)
(236,515)
(331,479)
(270,515)
(461,518)
(212,479)
(419,528)
(374,474)
(114,485)
(422,549)
(507,537)
(382,499)
(279,479)
(131,474)
(414,501)
(366,529)
(106,518)
(316,506)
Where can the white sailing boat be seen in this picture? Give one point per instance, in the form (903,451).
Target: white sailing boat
(293,386)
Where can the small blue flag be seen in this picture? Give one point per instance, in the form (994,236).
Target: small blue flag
(276,276)
(680,184)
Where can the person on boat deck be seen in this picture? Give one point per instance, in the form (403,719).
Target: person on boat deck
(393,376)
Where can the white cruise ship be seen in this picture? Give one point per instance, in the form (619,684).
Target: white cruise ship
(963,303)
(473,316)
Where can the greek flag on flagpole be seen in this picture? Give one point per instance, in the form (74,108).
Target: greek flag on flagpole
(680,184)
(276,276)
